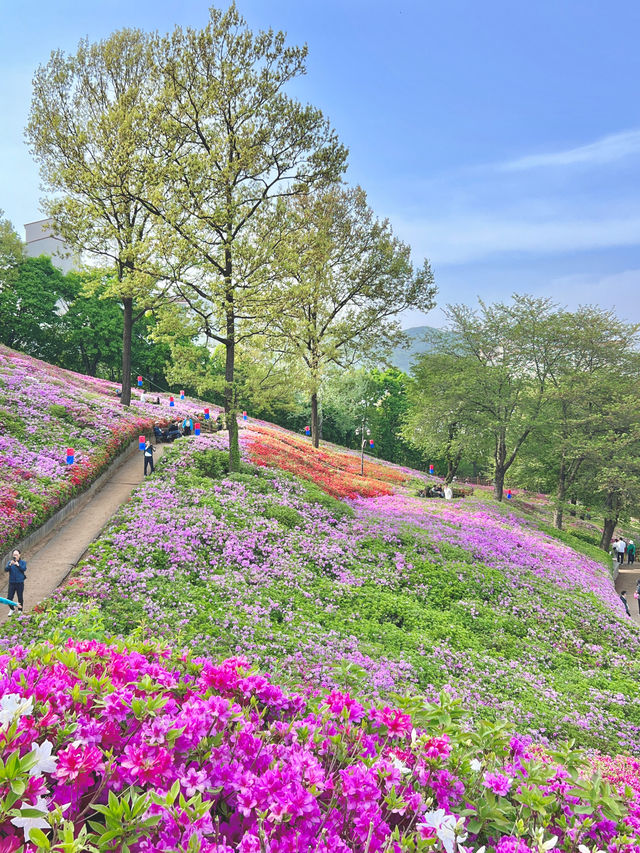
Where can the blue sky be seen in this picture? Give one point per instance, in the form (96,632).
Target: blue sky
(501,138)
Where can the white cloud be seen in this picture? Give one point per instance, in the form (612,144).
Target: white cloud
(458,239)
(606,150)
(615,290)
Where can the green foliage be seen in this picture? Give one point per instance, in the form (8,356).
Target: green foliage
(30,319)
(338,509)
(287,516)
(212,463)
(12,424)
(59,412)
(324,319)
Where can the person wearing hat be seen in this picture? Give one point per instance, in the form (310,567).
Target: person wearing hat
(631,552)
(17,569)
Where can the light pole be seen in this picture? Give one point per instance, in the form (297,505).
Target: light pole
(363,431)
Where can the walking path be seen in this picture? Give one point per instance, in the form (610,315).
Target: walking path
(49,563)
(627,579)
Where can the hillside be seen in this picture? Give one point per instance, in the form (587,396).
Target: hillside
(45,410)
(387,593)
(362,602)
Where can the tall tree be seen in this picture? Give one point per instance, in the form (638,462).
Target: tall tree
(88,129)
(505,353)
(439,420)
(344,279)
(231,142)
(11,252)
(30,315)
(598,355)
(613,479)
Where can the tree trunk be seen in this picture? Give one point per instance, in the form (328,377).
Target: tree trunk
(500,458)
(611,515)
(229,387)
(127,304)
(453,463)
(560,495)
(315,426)
(607,533)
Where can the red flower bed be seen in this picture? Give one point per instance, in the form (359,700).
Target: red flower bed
(336,473)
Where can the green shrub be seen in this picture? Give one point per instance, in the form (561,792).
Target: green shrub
(253,483)
(337,508)
(211,463)
(287,516)
(12,425)
(59,412)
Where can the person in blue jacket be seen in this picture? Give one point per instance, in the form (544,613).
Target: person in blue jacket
(17,569)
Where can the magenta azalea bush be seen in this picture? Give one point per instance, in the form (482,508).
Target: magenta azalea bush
(111,748)
(43,411)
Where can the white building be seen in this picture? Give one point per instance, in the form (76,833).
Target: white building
(41,240)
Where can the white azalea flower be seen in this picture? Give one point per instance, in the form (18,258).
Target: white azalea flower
(399,765)
(46,761)
(29,823)
(445,827)
(476,765)
(12,706)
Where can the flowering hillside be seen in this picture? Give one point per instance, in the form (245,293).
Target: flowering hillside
(387,594)
(113,749)
(362,610)
(43,411)
(337,473)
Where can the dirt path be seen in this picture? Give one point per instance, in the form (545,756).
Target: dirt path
(49,563)
(627,579)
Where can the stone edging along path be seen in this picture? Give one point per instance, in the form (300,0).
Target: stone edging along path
(54,549)
(35,539)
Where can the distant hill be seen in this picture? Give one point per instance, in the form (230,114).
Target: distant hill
(402,358)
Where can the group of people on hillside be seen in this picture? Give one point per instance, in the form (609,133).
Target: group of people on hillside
(620,547)
(174,430)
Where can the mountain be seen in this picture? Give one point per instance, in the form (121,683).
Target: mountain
(403,358)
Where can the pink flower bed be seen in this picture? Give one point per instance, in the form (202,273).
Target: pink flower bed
(43,411)
(214,758)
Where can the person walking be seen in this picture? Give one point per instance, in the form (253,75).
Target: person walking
(148,456)
(17,569)
(623,599)
(187,426)
(636,594)
(631,552)
(621,547)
